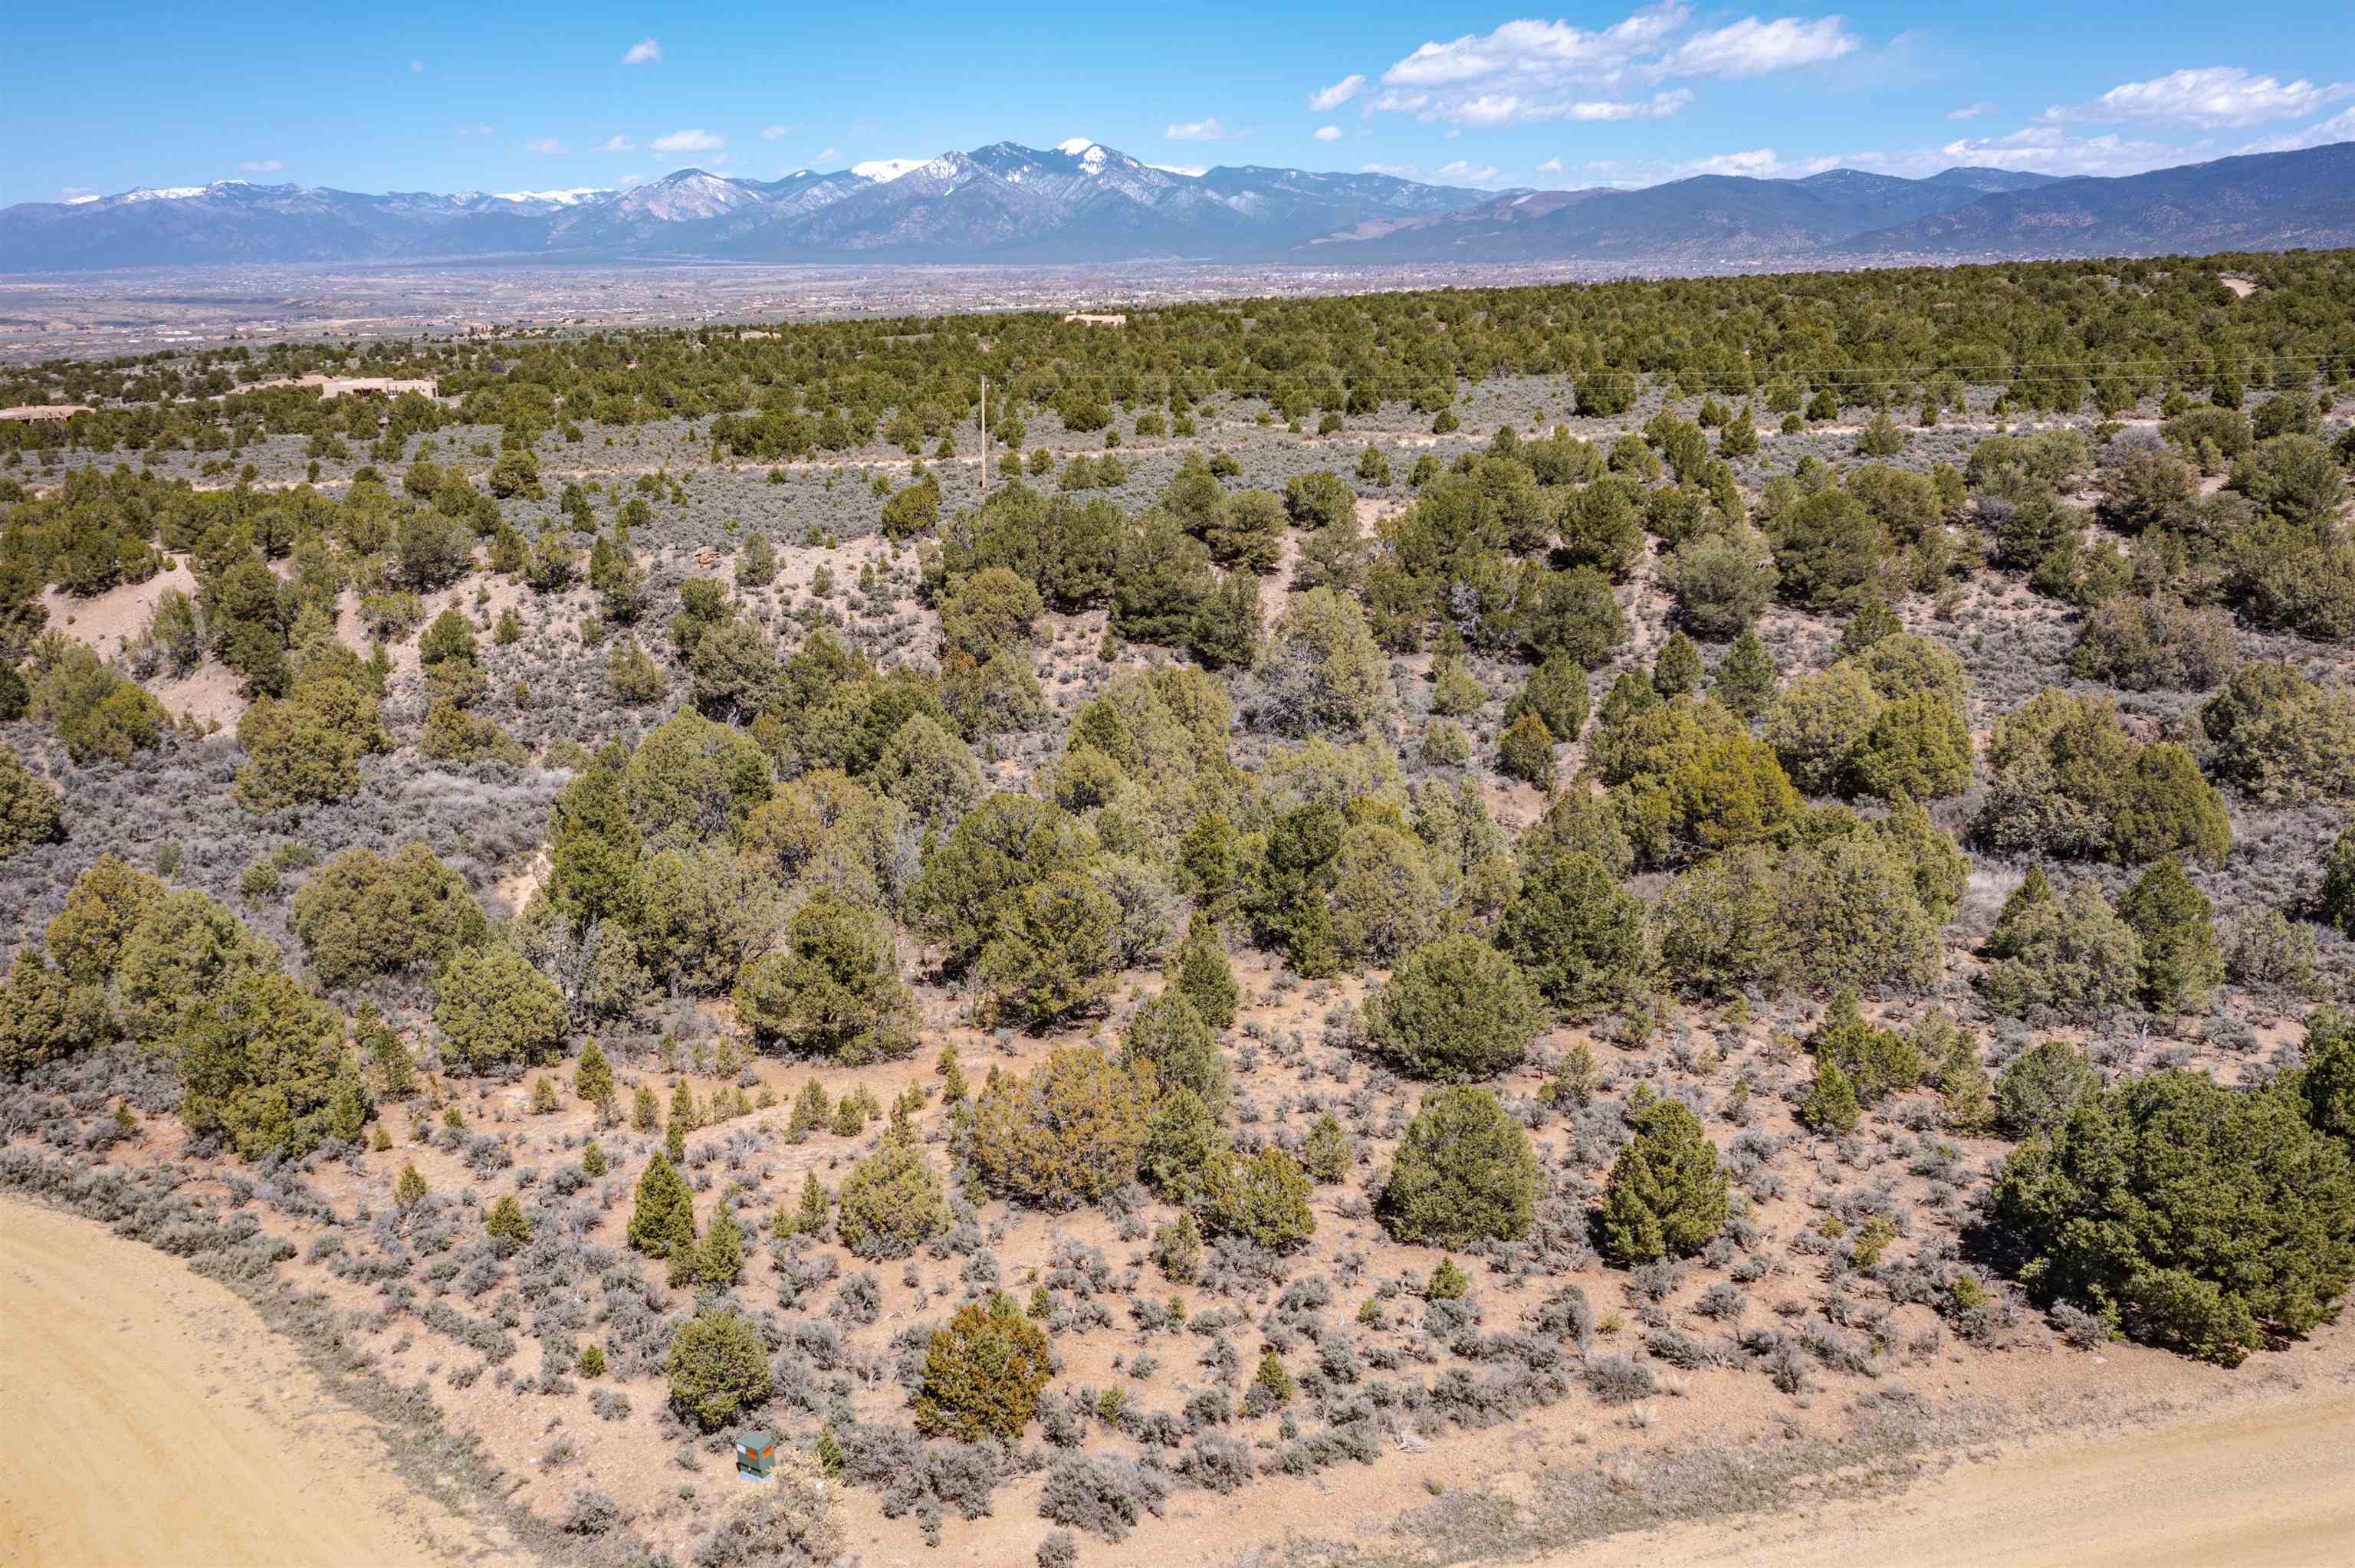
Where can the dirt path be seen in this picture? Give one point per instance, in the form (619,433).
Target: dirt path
(147,1415)
(2271,1486)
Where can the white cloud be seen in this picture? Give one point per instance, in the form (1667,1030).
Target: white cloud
(617,144)
(1551,166)
(1467,174)
(1543,51)
(417,68)
(1972,111)
(829,153)
(2048,150)
(645,51)
(548,145)
(778,132)
(474,130)
(261,166)
(73,194)
(1757,163)
(1326,99)
(2339,127)
(1507,108)
(693,140)
(1752,47)
(1329,133)
(1397,171)
(1209,129)
(2212,97)
(1530,71)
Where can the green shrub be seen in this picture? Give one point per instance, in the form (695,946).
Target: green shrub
(496,1009)
(1263,1198)
(1455,1009)
(891,1203)
(833,990)
(983,1373)
(1464,1172)
(1829,1106)
(718,1368)
(2193,1216)
(1666,1196)
(1068,1134)
(1876,1061)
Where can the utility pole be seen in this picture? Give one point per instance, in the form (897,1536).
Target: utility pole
(984,437)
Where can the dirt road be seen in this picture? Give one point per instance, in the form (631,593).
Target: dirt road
(2270,1487)
(148,1415)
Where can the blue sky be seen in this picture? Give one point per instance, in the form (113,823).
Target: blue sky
(528,96)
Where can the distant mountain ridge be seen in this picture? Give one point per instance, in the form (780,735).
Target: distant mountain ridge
(1081,201)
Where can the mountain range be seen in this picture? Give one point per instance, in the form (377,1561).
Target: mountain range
(1081,201)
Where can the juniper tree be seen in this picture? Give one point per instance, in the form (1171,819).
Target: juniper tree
(662,1222)
(1464,1172)
(1665,1195)
(1200,970)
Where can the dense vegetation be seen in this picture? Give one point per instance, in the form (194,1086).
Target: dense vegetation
(1899,718)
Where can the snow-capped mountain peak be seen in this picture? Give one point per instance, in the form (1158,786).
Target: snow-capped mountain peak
(885,169)
(571,198)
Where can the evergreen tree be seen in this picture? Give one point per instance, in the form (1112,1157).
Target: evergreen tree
(1578,936)
(2193,1216)
(1665,1195)
(1455,1009)
(1169,1033)
(593,1080)
(1830,1103)
(1746,678)
(1464,1172)
(2182,962)
(662,1224)
(719,1258)
(1678,670)
(507,1226)
(1200,970)
(1556,693)
(1526,752)
(1872,621)
(2328,1083)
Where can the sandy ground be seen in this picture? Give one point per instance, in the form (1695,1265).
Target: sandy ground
(2271,1486)
(148,1415)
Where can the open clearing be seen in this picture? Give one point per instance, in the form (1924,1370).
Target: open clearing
(148,1415)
